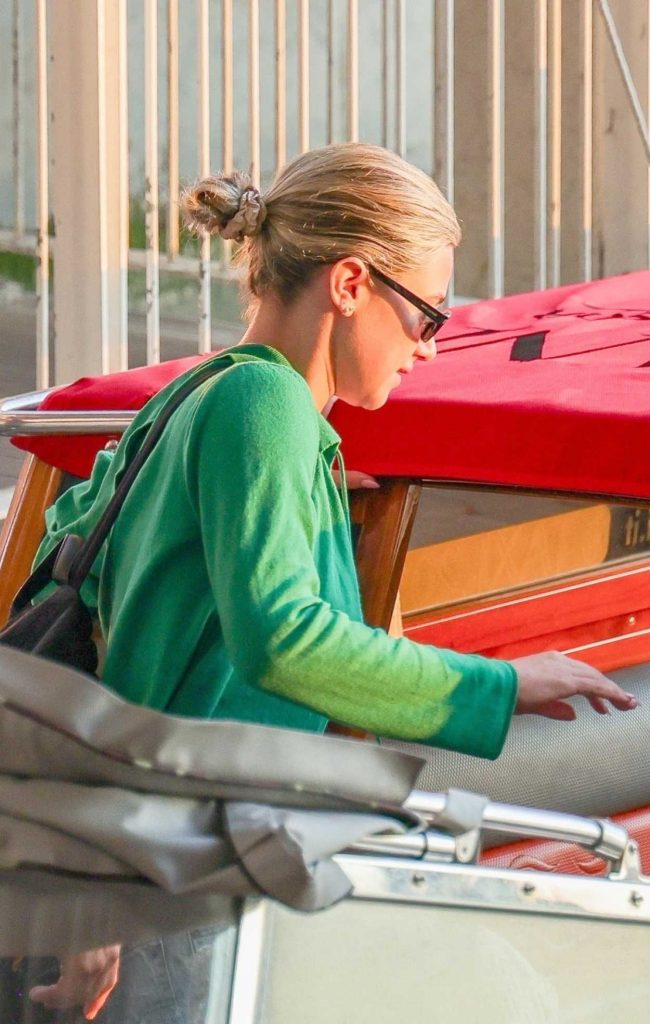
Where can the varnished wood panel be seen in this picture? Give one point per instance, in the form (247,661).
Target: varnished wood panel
(385,518)
(23,528)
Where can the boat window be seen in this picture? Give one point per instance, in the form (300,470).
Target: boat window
(468,544)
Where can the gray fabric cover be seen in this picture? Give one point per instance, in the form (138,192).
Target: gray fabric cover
(173,817)
(57,723)
(598,765)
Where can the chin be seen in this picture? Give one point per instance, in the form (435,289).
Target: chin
(372,402)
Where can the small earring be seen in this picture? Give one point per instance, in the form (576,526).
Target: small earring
(347,309)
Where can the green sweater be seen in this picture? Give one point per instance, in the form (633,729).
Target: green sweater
(227,588)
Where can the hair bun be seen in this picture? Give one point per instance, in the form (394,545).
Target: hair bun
(228,205)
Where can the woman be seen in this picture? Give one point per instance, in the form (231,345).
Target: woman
(228,586)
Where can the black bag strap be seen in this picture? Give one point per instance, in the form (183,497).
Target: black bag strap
(72,559)
(41,576)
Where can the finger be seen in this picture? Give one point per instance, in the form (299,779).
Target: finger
(594,684)
(53,997)
(356,479)
(619,699)
(599,705)
(557,709)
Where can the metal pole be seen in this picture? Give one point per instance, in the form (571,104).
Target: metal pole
(151,179)
(17,133)
(43,206)
(173,234)
(541,140)
(254,87)
(587,137)
(385,32)
(400,77)
(117,189)
(228,107)
(353,70)
(303,108)
(330,70)
(497,96)
(450,147)
(556,141)
(280,83)
(434,73)
(203,144)
(228,86)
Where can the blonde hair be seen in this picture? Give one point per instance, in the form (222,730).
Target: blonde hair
(347,199)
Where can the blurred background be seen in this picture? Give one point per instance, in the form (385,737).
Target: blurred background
(532,115)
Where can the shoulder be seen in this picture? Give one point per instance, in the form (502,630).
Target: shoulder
(256,399)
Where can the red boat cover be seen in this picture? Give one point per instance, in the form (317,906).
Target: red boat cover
(547,390)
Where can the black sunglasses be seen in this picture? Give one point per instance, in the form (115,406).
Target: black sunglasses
(435,318)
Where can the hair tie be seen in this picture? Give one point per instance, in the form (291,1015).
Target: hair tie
(249,218)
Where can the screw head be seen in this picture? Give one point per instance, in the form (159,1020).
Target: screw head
(528,888)
(418,879)
(636,899)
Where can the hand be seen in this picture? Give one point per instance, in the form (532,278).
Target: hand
(87,980)
(546,680)
(356,480)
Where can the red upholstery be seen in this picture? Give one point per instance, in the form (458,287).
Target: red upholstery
(574,419)
(542,855)
(119,391)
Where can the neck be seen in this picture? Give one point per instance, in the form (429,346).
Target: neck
(301,333)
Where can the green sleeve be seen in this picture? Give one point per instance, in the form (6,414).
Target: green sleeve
(251,461)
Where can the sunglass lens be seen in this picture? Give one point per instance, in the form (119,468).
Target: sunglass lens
(429,329)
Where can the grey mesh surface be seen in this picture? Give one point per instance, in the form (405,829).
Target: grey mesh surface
(598,765)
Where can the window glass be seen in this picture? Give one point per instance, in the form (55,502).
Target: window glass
(470,543)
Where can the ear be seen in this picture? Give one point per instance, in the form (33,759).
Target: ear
(348,284)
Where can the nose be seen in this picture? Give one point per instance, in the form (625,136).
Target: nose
(426,350)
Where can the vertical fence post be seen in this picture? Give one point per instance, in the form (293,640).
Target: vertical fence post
(117,191)
(497,100)
(303,75)
(203,119)
(254,88)
(42,205)
(587,136)
(331,98)
(280,83)
(17,56)
(86,187)
(151,191)
(556,141)
(173,151)
(541,140)
(353,70)
(400,78)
